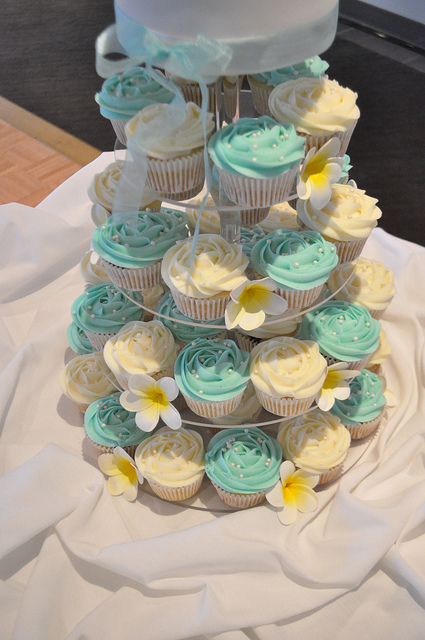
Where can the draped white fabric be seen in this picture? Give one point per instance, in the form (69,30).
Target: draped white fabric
(77,563)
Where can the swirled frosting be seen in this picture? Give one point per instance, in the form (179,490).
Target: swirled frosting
(249,237)
(349,215)
(218,267)
(137,240)
(141,347)
(280,216)
(78,340)
(93,273)
(122,96)
(211,370)
(365,402)
(186,332)
(256,147)
(86,378)
(372,284)
(172,458)
(315,441)
(104,309)
(343,330)
(313,67)
(382,352)
(109,424)
(288,367)
(210,218)
(187,137)
(294,259)
(243,460)
(315,106)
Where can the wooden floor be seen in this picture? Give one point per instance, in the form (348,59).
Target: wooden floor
(35,156)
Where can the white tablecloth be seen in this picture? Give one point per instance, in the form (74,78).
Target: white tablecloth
(77,563)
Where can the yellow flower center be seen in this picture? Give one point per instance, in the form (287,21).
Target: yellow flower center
(126,468)
(157,396)
(254,299)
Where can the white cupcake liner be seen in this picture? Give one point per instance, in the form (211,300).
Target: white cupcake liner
(239,500)
(298,299)
(98,340)
(82,407)
(260,96)
(105,449)
(230,90)
(349,250)
(287,407)
(177,178)
(192,93)
(257,192)
(357,364)
(330,474)
(318,141)
(210,409)
(175,494)
(376,313)
(250,217)
(156,375)
(134,279)
(363,429)
(247,343)
(200,308)
(119,128)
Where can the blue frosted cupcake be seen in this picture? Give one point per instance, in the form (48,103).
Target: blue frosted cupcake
(78,340)
(242,464)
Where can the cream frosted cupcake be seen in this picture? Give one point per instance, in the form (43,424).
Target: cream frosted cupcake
(173,463)
(212,376)
(176,166)
(87,378)
(93,269)
(287,373)
(201,284)
(257,160)
(102,193)
(133,245)
(151,298)
(242,464)
(362,411)
(285,324)
(316,442)
(141,347)
(280,216)
(366,282)
(210,218)
(347,220)
(380,355)
(299,262)
(319,109)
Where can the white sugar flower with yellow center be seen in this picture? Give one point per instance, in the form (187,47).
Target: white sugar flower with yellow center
(124,477)
(335,385)
(293,493)
(251,301)
(151,400)
(318,172)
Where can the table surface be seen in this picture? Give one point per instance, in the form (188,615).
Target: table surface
(77,563)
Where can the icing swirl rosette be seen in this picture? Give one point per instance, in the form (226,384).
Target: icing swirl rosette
(316,442)
(141,347)
(212,376)
(242,464)
(173,462)
(93,272)
(344,331)
(280,216)
(182,331)
(380,355)
(367,282)
(108,425)
(87,378)
(299,262)
(78,340)
(287,373)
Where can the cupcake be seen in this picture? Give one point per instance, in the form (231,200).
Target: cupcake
(366,282)
(87,378)
(363,410)
(257,160)
(175,166)
(280,216)
(93,269)
(299,262)
(212,376)
(103,310)
(318,108)
(285,324)
(123,96)
(201,283)
(183,328)
(102,193)
(231,86)
(191,92)
(346,221)
(242,464)
(210,218)
(78,340)
(345,332)
(132,246)
(262,84)
(141,347)
(316,442)
(249,237)
(172,462)
(380,355)
(247,411)
(151,298)
(108,425)
(287,373)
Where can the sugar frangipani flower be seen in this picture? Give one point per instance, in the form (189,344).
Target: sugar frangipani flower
(151,400)
(318,172)
(335,385)
(124,477)
(293,493)
(251,301)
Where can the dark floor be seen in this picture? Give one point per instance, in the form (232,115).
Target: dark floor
(47,67)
